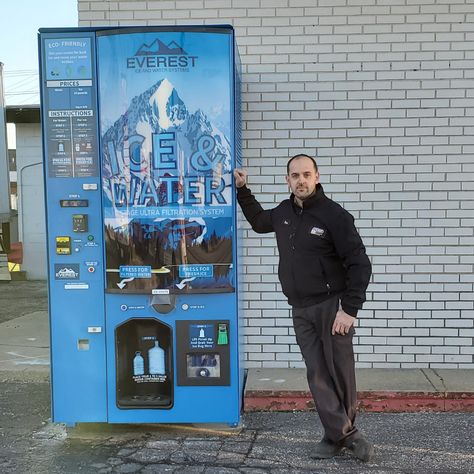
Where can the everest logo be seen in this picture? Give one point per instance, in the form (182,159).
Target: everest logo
(160,55)
(70,272)
(158,47)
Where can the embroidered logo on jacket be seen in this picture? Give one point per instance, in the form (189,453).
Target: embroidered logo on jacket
(285,222)
(317,231)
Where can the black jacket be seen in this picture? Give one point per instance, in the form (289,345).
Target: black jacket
(321,252)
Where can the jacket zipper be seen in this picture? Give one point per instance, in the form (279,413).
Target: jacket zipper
(323,271)
(299,215)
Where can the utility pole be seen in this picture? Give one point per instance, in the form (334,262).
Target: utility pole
(4,188)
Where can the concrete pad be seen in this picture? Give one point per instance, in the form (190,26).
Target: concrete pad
(452,380)
(24,346)
(276,380)
(294,380)
(30,329)
(393,380)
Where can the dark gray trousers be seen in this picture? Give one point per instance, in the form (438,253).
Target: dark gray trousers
(330,369)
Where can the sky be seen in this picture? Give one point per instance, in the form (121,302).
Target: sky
(19,24)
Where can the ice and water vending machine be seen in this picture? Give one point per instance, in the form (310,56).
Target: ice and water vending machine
(140,136)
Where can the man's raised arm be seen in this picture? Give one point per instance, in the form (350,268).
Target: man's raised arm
(258,218)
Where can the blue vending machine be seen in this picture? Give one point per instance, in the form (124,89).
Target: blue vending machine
(141,132)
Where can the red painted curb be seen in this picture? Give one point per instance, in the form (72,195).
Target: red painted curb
(392,402)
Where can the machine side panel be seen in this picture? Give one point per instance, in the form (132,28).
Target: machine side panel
(74,226)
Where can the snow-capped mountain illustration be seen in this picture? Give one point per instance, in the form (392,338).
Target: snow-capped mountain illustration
(156,110)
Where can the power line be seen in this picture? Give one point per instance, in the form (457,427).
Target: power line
(20,72)
(21,86)
(22,92)
(29,81)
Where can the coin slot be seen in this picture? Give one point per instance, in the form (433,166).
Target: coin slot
(83,344)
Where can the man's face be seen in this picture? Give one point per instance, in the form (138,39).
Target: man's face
(302,178)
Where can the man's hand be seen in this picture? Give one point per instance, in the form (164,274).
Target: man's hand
(342,323)
(240,177)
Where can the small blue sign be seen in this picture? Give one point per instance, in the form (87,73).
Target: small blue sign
(201,336)
(196,271)
(132,271)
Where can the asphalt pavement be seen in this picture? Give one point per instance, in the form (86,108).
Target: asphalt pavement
(435,442)
(18,298)
(267,442)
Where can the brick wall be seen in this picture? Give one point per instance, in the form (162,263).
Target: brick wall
(382,92)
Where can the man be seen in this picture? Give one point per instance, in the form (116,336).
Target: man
(324,272)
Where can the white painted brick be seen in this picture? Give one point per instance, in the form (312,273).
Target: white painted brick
(400,358)
(371,357)
(380,91)
(429,358)
(261,356)
(94,15)
(417,350)
(446,350)
(458,358)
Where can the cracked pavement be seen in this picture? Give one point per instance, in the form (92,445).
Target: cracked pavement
(273,443)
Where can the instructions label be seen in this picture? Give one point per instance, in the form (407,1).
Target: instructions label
(201,336)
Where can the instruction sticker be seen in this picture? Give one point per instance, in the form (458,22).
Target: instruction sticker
(201,336)
(132,271)
(196,271)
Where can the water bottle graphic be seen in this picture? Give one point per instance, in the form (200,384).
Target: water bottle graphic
(156,358)
(138,364)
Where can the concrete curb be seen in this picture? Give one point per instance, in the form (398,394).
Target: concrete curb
(389,402)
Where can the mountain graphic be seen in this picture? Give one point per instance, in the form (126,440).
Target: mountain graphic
(158,47)
(156,110)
